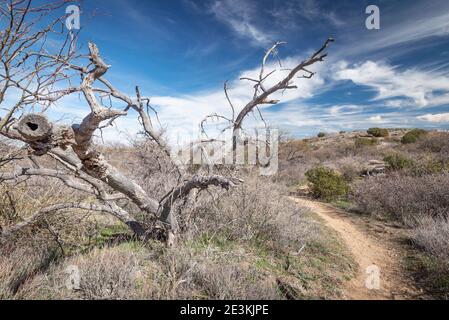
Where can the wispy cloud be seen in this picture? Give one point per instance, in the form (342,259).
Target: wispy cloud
(419,23)
(441,117)
(240,16)
(423,88)
(340,110)
(264,23)
(404,29)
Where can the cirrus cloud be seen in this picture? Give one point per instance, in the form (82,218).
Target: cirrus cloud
(441,117)
(422,88)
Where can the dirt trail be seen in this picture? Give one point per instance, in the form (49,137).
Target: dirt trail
(367,252)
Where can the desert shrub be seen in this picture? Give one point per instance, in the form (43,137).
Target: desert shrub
(146,164)
(69,230)
(378,132)
(430,266)
(403,197)
(436,143)
(201,268)
(436,166)
(255,211)
(131,271)
(431,275)
(321,135)
(33,249)
(350,172)
(205,270)
(398,161)
(293,173)
(327,184)
(21,265)
(413,136)
(350,167)
(365,142)
(432,236)
(113,276)
(292,150)
(429,165)
(107,273)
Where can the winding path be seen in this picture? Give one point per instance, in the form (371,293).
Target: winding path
(367,252)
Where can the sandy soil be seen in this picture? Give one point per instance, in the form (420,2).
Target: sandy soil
(367,251)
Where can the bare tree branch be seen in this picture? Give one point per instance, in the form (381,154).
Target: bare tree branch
(262,98)
(197,182)
(103,208)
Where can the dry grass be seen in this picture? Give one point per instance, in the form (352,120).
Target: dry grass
(134,272)
(197,269)
(20,266)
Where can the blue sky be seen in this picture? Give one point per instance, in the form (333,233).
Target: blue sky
(180,52)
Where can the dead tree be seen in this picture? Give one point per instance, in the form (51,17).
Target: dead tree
(37,75)
(262,93)
(38,79)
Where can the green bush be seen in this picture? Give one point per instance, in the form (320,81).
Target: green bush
(378,132)
(413,136)
(321,135)
(398,161)
(364,142)
(327,184)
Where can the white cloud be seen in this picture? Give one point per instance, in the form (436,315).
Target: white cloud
(398,103)
(378,119)
(423,88)
(344,110)
(441,117)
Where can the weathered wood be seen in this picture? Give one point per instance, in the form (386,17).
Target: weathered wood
(34,127)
